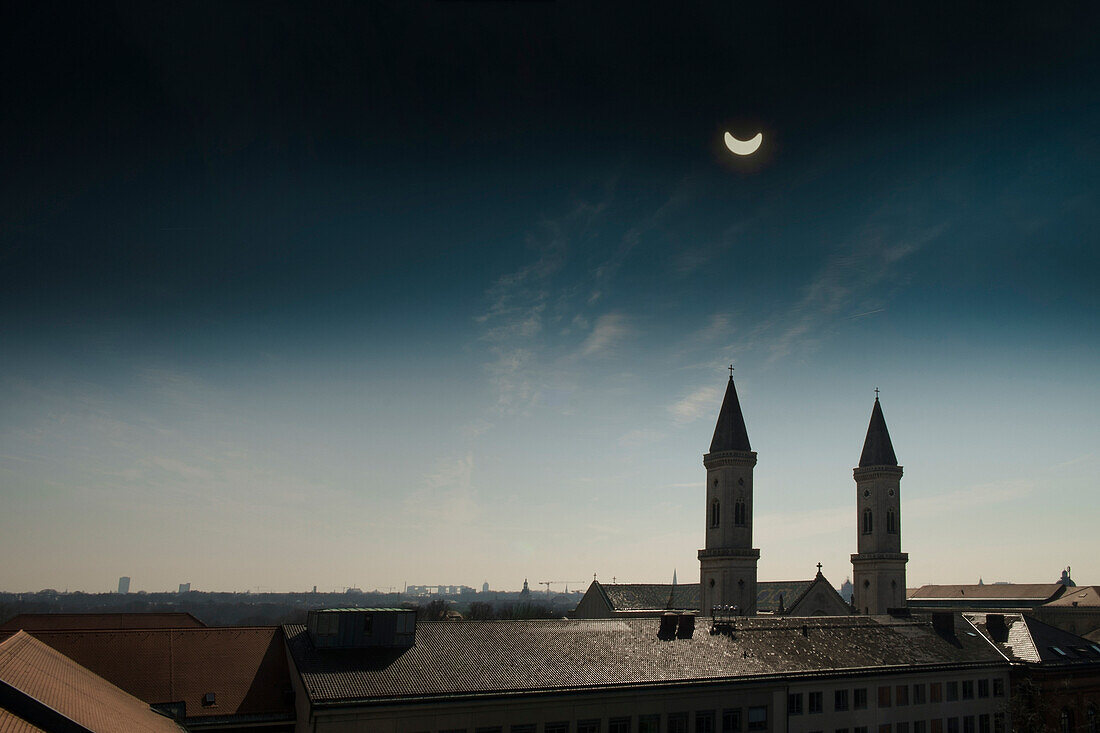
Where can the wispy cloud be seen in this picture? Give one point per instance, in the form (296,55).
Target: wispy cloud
(850,278)
(448,494)
(694,406)
(610,329)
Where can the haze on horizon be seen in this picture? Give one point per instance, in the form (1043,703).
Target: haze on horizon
(445,292)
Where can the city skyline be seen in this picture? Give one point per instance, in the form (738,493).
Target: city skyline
(446,292)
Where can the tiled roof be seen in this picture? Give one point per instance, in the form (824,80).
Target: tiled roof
(652,596)
(1008,591)
(685,596)
(52,679)
(877,448)
(245,667)
(1026,639)
(1083,596)
(62,621)
(10,723)
(492,657)
(730,432)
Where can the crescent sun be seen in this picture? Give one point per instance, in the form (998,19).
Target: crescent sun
(744,147)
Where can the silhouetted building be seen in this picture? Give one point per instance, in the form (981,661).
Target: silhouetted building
(124,584)
(184,588)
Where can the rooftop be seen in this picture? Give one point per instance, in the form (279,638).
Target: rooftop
(58,621)
(55,685)
(245,667)
(1030,592)
(1028,640)
(498,657)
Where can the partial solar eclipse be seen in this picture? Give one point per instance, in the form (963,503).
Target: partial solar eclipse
(744,147)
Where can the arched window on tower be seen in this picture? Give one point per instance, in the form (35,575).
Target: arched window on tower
(868,524)
(715,513)
(891,523)
(739,512)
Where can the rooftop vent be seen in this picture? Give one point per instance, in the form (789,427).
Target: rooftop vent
(208,700)
(359,628)
(995,624)
(943,622)
(686,626)
(669,622)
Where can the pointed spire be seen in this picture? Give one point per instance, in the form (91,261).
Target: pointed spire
(730,433)
(674,577)
(877,448)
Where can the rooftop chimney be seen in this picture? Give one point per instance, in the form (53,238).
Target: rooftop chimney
(995,624)
(686,626)
(669,622)
(944,622)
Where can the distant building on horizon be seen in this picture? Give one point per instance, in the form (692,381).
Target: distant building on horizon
(124,584)
(184,588)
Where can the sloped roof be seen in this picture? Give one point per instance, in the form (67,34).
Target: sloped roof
(877,448)
(10,723)
(490,657)
(61,621)
(769,592)
(730,432)
(1002,592)
(685,597)
(651,596)
(52,679)
(1026,639)
(245,667)
(1083,596)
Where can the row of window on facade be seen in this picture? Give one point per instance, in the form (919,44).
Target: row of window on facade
(739,513)
(732,720)
(889,695)
(984,723)
(869,522)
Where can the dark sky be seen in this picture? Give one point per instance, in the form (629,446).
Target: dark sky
(449,266)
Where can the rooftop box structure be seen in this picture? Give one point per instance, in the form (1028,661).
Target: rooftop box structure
(361,628)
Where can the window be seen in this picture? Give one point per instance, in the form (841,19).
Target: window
(758,718)
(715,513)
(868,524)
(968,689)
(952,692)
(891,523)
(841,730)
(731,721)
(562,727)
(523,728)
(883,728)
(588,726)
(998,687)
(901,695)
(1065,721)
(649,724)
(935,691)
(901,727)
(983,688)
(840,700)
(968,724)
(918,694)
(677,723)
(983,723)
(704,721)
(937,726)
(739,512)
(794,700)
(859,697)
(883,694)
(210,699)
(952,725)
(998,723)
(860,729)
(919,726)
(618,725)
(814,702)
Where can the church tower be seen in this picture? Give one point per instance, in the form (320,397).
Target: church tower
(728,562)
(878,569)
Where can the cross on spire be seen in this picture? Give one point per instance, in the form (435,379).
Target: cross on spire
(819,568)
(876,394)
(731,371)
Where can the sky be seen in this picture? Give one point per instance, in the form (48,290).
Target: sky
(368,294)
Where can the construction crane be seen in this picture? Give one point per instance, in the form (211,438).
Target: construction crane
(548,583)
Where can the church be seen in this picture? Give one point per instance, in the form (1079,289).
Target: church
(728,563)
